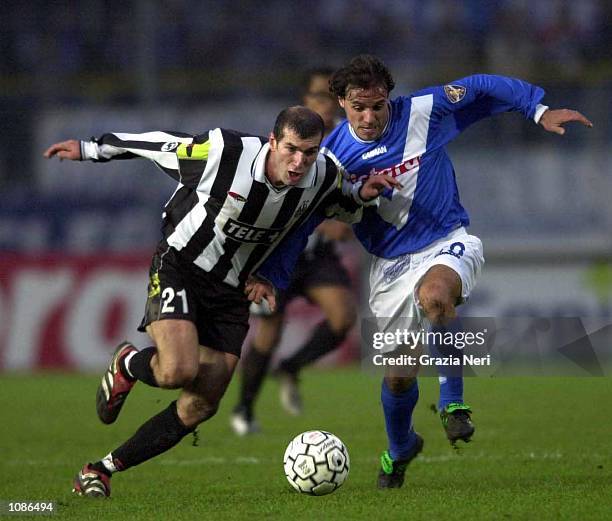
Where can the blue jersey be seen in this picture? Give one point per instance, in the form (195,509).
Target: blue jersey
(412,149)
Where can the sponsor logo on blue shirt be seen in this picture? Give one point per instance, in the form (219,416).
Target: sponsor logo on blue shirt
(375,152)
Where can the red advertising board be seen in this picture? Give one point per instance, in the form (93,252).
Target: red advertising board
(69,311)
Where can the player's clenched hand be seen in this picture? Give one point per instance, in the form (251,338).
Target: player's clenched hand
(256,289)
(553,120)
(70,149)
(374,185)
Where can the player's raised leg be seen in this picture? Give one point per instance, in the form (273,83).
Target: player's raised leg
(174,365)
(174,359)
(199,400)
(438,293)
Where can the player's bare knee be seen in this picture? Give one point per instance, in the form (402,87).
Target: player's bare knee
(399,384)
(437,301)
(175,376)
(438,294)
(440,312)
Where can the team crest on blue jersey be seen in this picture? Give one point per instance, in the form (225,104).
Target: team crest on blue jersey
(454,93)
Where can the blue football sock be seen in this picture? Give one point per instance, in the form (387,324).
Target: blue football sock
(398,419)
(450,377)
(451,390)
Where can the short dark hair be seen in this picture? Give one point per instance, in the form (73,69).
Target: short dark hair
(304,122)
(363,71)
(323,72)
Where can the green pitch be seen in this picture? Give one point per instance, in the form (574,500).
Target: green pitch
(542,450)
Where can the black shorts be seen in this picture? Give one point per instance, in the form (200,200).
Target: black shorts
(314,269)
(181,290)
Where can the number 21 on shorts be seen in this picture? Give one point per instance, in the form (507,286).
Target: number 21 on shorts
(168,300)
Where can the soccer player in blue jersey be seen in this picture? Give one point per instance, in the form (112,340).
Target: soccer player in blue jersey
(424,263)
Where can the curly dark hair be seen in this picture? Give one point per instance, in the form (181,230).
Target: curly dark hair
(363,71)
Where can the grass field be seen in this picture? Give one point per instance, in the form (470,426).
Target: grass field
(542,450)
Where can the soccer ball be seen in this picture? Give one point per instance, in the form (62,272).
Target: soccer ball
(316,463)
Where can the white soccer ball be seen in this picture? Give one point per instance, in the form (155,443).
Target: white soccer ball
(316,463)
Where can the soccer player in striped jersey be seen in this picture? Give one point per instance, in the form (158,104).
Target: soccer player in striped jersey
(424,263)
(319,277)
(238,196)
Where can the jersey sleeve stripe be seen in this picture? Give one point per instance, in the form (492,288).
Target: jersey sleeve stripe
(193,151)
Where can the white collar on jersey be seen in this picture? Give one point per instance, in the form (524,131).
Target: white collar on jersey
(358,139)
(258,171)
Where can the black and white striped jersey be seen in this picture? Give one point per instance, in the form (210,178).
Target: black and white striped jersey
(225,216)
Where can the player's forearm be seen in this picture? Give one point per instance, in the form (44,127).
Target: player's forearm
(353,193)
(156,146)
(514,94)
(105,148)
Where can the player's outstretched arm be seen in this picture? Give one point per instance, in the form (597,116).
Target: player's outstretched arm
(161,147)
(70,149)
(553,120)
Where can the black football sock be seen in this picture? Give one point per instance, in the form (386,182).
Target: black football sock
(254,369)
(100,467)
(140,366)
(322,342)
(154,437)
